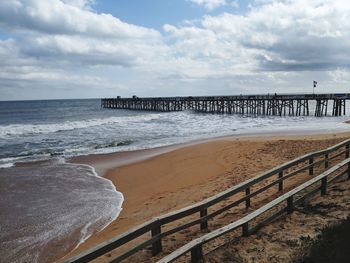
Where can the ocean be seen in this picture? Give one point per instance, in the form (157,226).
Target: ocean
(42,130)
(56,203)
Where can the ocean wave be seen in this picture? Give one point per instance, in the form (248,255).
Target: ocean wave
(6,165)
(29,129)
(10,161)
(83,202)
(113,144)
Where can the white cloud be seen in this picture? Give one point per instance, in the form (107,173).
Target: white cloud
(279,36)
(90,51)
(68,31)
(213,4)
(58,17)
(83,4)
(277,46)
(339,77)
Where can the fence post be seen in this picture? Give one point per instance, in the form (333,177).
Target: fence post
(347,151)
(197,254)
(290,204)
(311,168)
(280,184)
(245,229)
(157,245)
(348,171)
(247,201)
(204,224)
(324,186)
(326,164)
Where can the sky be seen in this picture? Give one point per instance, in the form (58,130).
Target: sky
(65,49)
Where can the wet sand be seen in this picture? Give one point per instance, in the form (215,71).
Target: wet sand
(161,180)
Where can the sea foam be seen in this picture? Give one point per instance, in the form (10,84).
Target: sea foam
(48,210)
(30,129)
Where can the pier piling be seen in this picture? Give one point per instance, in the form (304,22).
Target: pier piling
(268,105)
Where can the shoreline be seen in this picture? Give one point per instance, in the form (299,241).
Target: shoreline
(104,162)
(136,174)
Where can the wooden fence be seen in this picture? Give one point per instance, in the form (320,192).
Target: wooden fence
(195,246)
(278,174)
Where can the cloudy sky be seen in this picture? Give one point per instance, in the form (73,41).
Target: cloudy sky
(102,48)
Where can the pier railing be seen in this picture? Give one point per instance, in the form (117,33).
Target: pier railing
(245,191)
(268,104)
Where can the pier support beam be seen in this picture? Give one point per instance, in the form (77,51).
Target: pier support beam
(255,105)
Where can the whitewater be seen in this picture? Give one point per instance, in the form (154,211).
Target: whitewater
(42,130)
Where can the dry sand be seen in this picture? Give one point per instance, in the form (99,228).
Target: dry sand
(170,178)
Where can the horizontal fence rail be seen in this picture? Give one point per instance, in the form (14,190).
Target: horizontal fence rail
(247,188)
(195,246)
(268,104)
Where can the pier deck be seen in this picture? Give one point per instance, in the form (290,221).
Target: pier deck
(269,104)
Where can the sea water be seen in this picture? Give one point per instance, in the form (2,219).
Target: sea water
(58,205)
(41,130)
(48,210)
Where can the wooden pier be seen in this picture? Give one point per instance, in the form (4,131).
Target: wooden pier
(269,105)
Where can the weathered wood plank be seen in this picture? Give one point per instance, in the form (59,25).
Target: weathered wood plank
(204,222)
(311,166)
(280,184)
(113,243)
(157,245)
(243,221)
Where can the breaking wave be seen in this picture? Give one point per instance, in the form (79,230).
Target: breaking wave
(49,204)
(30,129)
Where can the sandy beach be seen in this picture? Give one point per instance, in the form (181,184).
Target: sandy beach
(157,181)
